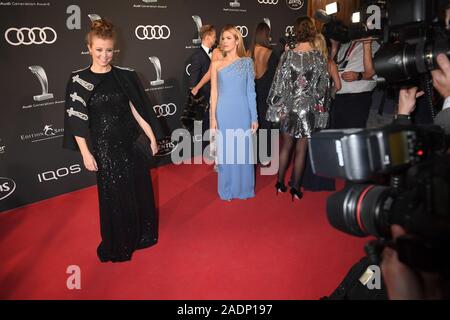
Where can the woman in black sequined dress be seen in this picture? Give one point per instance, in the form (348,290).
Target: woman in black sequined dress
(99,100)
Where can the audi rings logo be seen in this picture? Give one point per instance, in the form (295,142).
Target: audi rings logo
(152,32)
(268,1)
(289,29)
(187,69)
(165,110)
(295,4)
(28,36)
(243,30)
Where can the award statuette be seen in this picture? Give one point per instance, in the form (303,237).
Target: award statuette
(267,21)
(198,23)
(94,17)
(157,65)
(235,4)
(39,72)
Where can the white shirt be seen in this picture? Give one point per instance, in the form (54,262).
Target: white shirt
(355,64)
(207,51)
(446,103)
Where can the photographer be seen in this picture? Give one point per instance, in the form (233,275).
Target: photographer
(441,82)
(351,107)
(402,282)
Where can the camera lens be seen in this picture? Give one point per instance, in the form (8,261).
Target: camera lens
(358,210)
(400,62)
(396,62)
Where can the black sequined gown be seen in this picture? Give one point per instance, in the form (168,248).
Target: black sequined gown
(128,219)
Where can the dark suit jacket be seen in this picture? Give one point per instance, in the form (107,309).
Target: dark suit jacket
(200,62)
(82,84)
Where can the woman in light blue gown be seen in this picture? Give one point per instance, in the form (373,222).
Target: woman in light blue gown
(233,117)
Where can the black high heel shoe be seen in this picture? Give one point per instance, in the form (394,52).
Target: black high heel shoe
(280,187)
(296,194)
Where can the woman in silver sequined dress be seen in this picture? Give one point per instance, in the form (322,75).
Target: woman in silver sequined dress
(297,100)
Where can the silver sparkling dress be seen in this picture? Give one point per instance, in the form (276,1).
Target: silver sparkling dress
(298,98)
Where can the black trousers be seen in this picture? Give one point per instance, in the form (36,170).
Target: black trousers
(350,110)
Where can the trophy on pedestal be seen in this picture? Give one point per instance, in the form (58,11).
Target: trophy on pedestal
(39,72)
(157,64)
(198,23)
(94,17)
(235,4)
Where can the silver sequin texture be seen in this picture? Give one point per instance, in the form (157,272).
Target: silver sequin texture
(298,96)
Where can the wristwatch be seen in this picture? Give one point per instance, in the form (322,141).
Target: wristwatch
(402,116)
(360,76)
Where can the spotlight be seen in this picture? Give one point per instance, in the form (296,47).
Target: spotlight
(332,8)
(356,17)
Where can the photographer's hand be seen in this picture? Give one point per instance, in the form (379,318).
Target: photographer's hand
(402,282)
(441,76)
(407,100)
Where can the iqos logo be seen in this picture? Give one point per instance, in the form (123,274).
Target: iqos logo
(152,32)
(7,187)
(28,36)
(58,174)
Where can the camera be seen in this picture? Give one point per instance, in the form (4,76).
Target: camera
(414,35)
(396,175)
(365,28)
(289,39)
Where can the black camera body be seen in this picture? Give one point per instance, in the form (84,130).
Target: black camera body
(358,154)
(290,39)
(414,35)
(400,175)
(343,33)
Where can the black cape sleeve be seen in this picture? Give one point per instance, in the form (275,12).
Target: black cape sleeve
(144,107)
(76,120)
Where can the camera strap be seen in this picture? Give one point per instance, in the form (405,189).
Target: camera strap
(343,63)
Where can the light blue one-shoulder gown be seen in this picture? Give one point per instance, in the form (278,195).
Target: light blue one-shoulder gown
(236,110)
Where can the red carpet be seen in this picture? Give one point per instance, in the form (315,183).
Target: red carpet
(263,248)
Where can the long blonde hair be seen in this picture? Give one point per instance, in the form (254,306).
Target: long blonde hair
(240,50)
(320,44)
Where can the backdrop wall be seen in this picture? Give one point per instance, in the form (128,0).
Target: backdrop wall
(42,42)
